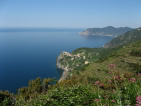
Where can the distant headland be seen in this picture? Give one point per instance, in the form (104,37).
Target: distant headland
(106,31)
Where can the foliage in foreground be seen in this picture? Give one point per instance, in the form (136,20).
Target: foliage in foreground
(120,90)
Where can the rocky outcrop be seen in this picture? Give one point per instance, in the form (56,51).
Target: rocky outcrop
(63,67)
(71,61)
(58,63)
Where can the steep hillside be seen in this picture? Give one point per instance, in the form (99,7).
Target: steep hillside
(96,60)
(128,37)
(106,31)
(111,82)
(126,59)
(80,58)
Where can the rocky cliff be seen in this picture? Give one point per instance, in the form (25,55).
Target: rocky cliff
(63,66)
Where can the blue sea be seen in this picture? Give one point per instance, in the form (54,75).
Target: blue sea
(27,53)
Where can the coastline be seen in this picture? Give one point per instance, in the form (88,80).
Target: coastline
(65,69)
(86,34)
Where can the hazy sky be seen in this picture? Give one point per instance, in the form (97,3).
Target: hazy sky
(70,13)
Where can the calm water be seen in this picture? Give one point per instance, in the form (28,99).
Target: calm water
(26,54)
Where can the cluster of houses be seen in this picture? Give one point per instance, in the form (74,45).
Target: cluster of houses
(81,55)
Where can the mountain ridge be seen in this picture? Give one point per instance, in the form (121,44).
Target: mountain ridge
(128,37)
(106,31)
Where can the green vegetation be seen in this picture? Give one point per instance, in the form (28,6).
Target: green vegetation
(6,98)
(106,31)
(112,78)
(98,55)
(129,37)
(91,55)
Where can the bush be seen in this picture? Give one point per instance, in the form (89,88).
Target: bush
(74,96)
(135,52)
(6,98)
(35,87)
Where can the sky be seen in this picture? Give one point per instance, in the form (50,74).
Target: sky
(70,13)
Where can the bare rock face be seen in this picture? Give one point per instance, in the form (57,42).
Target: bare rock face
(69,61)
(58,64)
(85,33)
(61,66)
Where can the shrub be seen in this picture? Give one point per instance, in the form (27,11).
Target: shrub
(135,52)
(77,95)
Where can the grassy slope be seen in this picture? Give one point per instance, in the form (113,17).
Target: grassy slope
(91,55)
(123,59)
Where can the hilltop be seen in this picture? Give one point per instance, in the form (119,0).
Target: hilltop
(106,31)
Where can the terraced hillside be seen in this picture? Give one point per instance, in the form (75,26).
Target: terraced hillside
(126,59)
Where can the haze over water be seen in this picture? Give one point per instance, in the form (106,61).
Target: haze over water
(29,53)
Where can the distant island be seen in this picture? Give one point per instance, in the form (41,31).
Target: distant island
(106,31)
